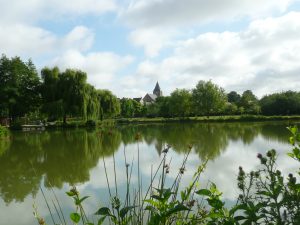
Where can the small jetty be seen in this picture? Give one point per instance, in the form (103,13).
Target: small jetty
(33,127)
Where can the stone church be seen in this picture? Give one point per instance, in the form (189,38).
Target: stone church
(150,98)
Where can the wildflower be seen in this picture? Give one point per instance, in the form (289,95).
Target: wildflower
(74,191)
(263,160)
(190,146)
(41,221)
(127,165)
(165,150)
(181,170)
(259,155)
(241,171)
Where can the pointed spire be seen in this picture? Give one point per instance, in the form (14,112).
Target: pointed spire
(157,91)
(157,87)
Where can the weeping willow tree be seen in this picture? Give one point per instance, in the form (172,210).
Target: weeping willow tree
(92,109)
(109,104)
(67,94)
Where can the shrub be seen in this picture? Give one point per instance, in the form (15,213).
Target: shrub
(3,131)
(90,123)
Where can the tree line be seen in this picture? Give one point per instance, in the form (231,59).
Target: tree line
(58,95)
(208,99)
(55,95)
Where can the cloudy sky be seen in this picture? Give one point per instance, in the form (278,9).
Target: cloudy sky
(128,45)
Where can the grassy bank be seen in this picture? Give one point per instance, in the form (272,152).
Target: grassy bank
(237,118)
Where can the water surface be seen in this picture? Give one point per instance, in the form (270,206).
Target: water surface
(61,158)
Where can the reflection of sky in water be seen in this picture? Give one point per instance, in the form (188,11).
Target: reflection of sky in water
(222,170)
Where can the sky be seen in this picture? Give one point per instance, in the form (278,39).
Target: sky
(126,46)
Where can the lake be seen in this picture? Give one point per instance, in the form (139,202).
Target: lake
(32,161)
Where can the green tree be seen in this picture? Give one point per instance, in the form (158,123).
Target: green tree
(127,107)
(72,85)
(109,104)
(67,94)
(208,98)
(234,97)
(285,103)
(19,87)
(93,108)
(161,107)
(250,103)
(180,102)
(51,94)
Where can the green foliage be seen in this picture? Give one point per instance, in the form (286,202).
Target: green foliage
(90,123)
(127,107)
(234,97)
(285,103)
(208,98)
(249,103)
(19,87)
(180,103)
(109,104)
(3,131)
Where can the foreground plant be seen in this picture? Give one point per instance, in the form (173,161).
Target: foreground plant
(266,197)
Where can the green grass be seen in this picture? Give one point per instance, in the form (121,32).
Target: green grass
(234,118)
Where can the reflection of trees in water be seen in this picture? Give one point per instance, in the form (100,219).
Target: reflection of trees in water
(4,145)
(208,139)
(63,156)
(69,155)
(275,132)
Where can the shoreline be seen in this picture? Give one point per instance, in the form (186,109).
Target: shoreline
(243,118)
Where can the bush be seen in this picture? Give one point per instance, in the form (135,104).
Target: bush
(3,131)
(90,123)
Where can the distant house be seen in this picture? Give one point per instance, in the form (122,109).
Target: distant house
(151,98)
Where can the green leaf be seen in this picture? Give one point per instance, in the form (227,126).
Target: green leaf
(238,218)
(215,203)
(70,193)
(75,217)
(78,201)
(125,210)
(238,207)
(150,208)
(176,209)
(104,211)
(204,192)
(101,220)
(157,197)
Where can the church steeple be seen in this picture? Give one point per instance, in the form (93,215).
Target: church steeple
(157,91)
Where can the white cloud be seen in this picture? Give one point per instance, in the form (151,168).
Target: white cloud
(153,40)
(36,10)
(101,67)
(264,57)
(158,23)
(31,41)
(155,13)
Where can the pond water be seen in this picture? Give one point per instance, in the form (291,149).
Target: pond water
(32,161)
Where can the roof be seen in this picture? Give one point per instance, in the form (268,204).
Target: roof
(152,96)
(157,87)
